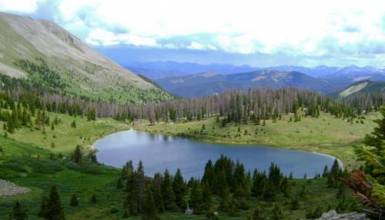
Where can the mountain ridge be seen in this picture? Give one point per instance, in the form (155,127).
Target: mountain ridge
(85,71)
(362,87)
(205,84)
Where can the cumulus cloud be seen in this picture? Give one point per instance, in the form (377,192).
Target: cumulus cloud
(20,6)
(102,37)
(242,26)
(296,27)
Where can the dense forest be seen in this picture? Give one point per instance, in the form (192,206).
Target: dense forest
(234,106)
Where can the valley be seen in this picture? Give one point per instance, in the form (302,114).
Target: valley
(83,137)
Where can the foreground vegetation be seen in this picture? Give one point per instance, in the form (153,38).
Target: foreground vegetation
(368,184)
(29,159)
(50,153)
(100,196)
(324,134)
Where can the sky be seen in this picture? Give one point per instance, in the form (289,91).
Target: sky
(254,32)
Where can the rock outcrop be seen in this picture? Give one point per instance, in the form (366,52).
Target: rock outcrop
(10,189)
(333,215)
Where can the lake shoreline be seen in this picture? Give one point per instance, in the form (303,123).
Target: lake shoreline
(195,145)
(246,144)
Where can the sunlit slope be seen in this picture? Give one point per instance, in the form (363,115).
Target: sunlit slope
(28,46)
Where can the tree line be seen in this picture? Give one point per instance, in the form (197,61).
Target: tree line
(253,105)
(226,186)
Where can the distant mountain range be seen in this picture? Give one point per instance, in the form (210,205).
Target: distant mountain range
(193,80)
(44,53)
(210,83)
(158,70)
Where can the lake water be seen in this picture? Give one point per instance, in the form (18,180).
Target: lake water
(159,152)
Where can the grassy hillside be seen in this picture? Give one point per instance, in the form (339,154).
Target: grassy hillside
(325,134)
(43,53)
(362,87)
(64,136)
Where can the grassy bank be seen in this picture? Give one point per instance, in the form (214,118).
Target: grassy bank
(64,137)
(325,134)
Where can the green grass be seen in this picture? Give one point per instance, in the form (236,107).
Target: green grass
(26,161)
(325,134)
(87,179)
(66,137)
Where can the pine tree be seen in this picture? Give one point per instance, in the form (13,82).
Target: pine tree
(277,213)
(43,207)
(74,200)
(135,191)
(326,171)
(206,197)
(93,199)
(256,215)
(371,193)
(334,174)
(73,124)
(208,175)
(167,192)
(179,189)
(18,212)
(149,207)
(196,198)
(77,155)
(157,191)
(54,210)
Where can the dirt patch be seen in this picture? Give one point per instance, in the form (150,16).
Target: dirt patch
(10,189)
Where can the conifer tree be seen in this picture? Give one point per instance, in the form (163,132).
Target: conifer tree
(149,207)
(167,192)
(93,199)
(18,212)
(74,200)
(73,124)
(135,191)
(277,213)
(208,175)
(54,210)
(334,174)
(157,191)
(179,189)
(196,198)
(256,215)
(77,155)
(43,207)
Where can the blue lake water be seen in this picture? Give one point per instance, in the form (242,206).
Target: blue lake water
(159,152)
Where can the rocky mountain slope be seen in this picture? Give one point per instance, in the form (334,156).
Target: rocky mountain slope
(29,48)
(362,87)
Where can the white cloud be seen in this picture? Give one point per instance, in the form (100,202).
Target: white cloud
(296,27)
(107,38)
(20,6)
(240,26)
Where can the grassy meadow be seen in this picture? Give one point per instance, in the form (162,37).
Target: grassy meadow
(64,137)
(325,134)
